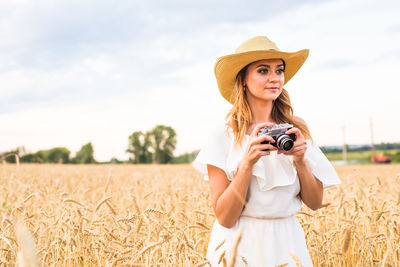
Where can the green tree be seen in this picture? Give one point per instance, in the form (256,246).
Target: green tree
(114,160)
(10,156)
(186,157)
(85,155)
(54,155)
(32,158)
(57,155)
(163,140)
(139,145)
(396,157)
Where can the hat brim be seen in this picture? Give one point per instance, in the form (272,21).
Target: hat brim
(227,67)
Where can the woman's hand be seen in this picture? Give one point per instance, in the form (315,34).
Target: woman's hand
(255,149)
(299,147)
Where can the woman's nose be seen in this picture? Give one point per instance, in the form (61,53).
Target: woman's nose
(273,77)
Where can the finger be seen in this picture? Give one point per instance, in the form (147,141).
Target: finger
(297,150)
(294,150)
(258,154)
(264,153)
(263,147)
(263,138)
(260,140)
(296,131)
(299,143)
(292,130)
(254,150)
(259,126)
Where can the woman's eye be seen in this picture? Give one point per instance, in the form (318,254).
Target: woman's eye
(263,71)
(280,71)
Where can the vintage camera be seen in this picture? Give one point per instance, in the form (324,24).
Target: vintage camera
(277,132)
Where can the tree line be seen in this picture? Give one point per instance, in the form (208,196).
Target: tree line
(339,149)
(154,146)
(53,155)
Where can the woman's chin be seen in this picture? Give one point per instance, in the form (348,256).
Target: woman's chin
(270,97)
(267,98)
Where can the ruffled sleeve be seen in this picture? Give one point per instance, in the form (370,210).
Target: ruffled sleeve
(214,152)
(270,171)
(320,165)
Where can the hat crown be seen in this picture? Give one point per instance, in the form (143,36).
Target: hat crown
(255,44)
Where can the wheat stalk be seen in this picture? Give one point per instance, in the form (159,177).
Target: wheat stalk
(221,257)
(219,245)
(26,245)
(72,201)
(101,202)
(235,246)
(296,259)
(346,241)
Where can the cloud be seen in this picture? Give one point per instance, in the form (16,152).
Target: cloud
(62,50)
(335,64)
(47,34)
(393,29)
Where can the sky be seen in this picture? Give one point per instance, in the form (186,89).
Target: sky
(73,72)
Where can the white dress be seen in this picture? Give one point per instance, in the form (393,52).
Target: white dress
(273,193)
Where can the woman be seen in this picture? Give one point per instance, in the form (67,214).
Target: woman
(256,189)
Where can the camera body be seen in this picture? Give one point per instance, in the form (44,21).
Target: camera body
(277,132)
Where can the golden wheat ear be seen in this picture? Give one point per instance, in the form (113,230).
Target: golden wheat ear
(26,247)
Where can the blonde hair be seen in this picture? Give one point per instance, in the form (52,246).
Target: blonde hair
(239,117)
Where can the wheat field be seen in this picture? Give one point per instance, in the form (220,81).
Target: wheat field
(161,215)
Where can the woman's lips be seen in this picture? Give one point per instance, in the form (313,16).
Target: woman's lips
(272,88)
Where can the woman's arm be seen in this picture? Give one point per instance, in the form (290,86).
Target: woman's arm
(228,198)
(311,189)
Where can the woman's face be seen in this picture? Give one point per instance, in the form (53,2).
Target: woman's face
(264,79)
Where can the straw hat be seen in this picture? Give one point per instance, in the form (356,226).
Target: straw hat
(256,48)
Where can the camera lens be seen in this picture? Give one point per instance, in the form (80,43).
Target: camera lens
(284,142)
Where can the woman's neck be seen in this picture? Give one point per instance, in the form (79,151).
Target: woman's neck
(261,112)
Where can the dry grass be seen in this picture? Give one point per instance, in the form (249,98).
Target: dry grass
(161,216)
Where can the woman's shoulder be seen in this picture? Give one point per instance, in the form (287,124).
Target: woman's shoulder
(221,133)
(299,120)
(218,137)
(215,148)
(303,127)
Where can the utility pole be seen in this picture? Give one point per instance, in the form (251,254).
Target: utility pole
(344,150)
(371,126)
